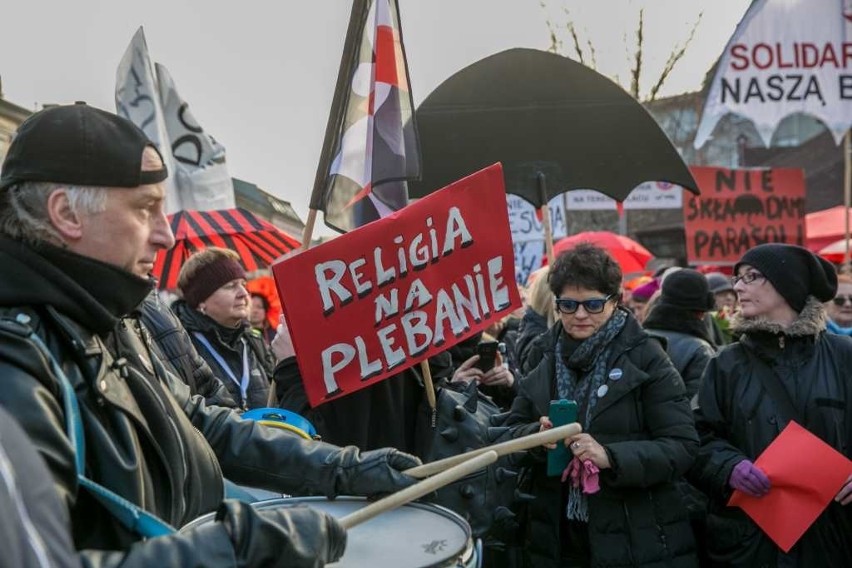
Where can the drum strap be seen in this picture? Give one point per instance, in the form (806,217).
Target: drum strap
(131,516)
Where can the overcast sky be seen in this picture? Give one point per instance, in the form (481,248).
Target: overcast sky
(259,75)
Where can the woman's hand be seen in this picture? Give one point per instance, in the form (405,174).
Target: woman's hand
(282,343)
(844,497)
(585,447)
(468,371)
(544,423)
(498,375)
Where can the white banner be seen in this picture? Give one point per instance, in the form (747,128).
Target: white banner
(137,99)
(528,232)
(785,57)
(649,195)
(201,174)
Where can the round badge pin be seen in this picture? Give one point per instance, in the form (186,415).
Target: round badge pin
(602,390)
(616,374)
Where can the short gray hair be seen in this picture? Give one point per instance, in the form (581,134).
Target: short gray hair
(23,209)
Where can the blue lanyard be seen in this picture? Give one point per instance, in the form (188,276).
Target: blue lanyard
(243,382)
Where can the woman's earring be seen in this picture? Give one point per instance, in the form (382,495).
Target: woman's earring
(202,310)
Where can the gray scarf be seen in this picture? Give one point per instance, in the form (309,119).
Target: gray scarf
(579,379)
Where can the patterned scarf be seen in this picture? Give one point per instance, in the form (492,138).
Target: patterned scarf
(579,378)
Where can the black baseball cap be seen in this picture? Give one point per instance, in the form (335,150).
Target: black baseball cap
(79,145)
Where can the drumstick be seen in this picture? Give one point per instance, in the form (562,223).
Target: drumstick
(418,490)
(550,436)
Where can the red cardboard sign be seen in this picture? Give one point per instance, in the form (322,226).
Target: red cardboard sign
(392,293)
(739,209)
(806,474)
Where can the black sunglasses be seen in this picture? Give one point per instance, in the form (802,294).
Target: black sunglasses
(841,300)
(593,306)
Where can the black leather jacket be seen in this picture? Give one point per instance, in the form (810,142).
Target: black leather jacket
(174,346)
(147,438)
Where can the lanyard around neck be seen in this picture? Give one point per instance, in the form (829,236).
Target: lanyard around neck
(243,381)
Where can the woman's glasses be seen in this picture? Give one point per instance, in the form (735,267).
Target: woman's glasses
(841,300)
(593,306)
(747,278)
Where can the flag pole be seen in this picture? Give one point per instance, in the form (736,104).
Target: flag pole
(847,194)
(308,231)
(545,218)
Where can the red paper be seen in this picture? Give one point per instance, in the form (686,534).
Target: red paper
(806,474)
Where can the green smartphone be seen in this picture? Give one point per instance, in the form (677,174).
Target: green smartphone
(562,412)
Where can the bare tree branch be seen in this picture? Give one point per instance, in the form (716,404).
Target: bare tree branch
(578,49)
(636,72)
(555,42)
(675,56)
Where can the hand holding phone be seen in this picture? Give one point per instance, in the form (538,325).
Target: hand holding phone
(562,412)
(487,351)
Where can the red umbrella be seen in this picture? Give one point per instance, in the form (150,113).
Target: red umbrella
(834,252)
(258,242)
(629,254)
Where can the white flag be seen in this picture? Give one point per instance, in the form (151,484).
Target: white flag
(785,57)
(200,172)
(137,99)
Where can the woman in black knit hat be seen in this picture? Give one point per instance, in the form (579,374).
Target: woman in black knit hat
(785,367)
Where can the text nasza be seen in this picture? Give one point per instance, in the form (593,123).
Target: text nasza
(475,295)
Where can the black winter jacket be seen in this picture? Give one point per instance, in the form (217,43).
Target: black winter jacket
(737,419)
(381,415)
(174,347)
(644,422)
(261,360)
(147,438)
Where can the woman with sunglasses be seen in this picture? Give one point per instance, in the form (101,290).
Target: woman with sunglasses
(784,367)
(840,308)
(638,433)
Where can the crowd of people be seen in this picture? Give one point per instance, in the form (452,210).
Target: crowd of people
(680,380)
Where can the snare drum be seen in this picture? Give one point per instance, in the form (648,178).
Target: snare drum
(415,535)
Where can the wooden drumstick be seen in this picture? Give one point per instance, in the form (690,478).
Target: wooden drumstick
(418,490)
(517,445)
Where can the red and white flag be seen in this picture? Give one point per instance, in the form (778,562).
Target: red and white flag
(371,145)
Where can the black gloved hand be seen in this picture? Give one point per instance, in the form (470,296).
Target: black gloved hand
(294,536)
(373,473)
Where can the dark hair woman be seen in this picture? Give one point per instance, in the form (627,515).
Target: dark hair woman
(638,432)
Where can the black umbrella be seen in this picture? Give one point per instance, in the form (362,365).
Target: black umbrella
(545,117)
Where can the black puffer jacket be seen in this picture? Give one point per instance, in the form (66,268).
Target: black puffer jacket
(231,350)
(174,347)
(532,325)
(646,426)
(737,419)
(147,438)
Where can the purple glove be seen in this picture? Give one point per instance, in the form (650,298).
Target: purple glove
(749,479)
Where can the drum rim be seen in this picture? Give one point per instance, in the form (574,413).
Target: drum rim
(465,554)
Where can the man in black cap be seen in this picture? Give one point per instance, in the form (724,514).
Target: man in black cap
(784,367)
(81,223)
(678,316)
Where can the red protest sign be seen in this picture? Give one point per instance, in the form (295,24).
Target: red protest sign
(739,209)
(386,296)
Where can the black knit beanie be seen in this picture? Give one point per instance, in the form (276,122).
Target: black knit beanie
(793,271)
(687,289)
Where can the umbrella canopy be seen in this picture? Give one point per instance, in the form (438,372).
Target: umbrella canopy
(541,113)
(258,242)
(834,252)
(630,255)
(823,228)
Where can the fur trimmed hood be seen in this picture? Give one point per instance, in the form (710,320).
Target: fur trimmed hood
(812,320)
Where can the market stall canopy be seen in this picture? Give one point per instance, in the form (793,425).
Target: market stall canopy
(823,228)
(542,113)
